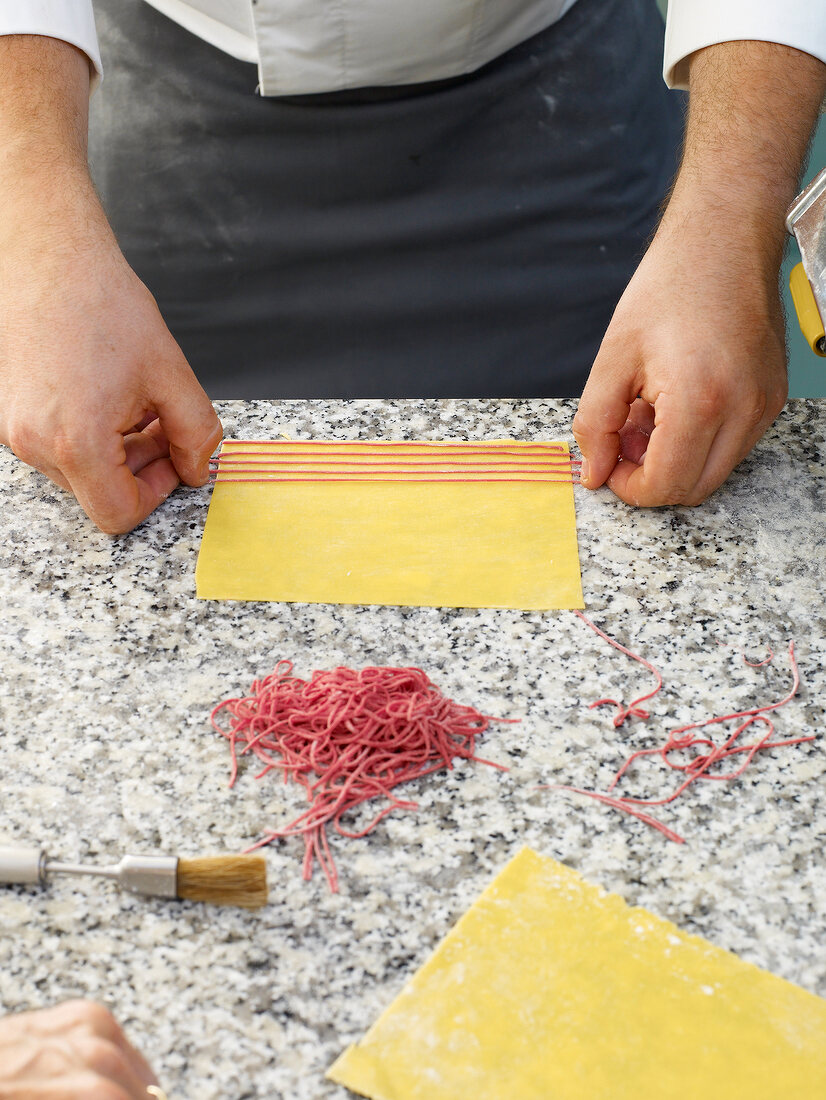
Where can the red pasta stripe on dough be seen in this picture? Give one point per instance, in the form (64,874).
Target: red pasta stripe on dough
(381,480)
(278,462)
(347,737)
(458,447)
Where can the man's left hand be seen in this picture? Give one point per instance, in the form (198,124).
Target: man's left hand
(692,368)
(691,372)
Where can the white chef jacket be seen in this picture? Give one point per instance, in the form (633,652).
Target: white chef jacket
(304,46)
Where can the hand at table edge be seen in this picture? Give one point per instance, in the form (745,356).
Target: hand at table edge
(692,369)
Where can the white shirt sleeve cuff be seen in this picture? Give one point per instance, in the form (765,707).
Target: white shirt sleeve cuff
(694,24)
(69,20)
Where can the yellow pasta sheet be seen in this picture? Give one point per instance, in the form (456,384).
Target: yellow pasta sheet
(422,524)
(551,989)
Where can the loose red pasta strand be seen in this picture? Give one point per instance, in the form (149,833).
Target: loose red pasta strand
(621,804)
(753,664)
(633,709)
(683,739)
(759,664)
(347,737)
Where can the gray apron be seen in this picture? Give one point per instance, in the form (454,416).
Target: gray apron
(469,237)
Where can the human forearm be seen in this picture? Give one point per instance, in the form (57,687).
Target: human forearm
(44,107)
(46,194)
(752,109)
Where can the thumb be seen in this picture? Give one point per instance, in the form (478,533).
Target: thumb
(187,418)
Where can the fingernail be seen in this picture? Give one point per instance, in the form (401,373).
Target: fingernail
(584,471)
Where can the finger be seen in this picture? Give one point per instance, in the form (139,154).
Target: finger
(728,451)
(48,1021)
(603,410)
(188,419)
(160,476)
(94,1019)
(111,1061)
(736,439)
(81,1085)
(145,446)
(676,456)
(88,1016)
(150,461)
(144,422)
(156,432)
(139,1065)
(50,471)
(636,432)
(106,489)
(53,474)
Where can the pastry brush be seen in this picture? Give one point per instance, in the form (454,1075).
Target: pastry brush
(220,880)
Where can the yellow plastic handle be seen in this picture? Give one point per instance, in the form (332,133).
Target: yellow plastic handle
(811,323)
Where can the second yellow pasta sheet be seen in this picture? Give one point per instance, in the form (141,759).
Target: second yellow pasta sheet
(549,988)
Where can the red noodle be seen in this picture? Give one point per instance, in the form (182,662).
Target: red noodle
(347,737)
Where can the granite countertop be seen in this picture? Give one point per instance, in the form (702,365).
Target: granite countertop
(110,667)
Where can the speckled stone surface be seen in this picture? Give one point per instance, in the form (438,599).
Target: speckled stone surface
(110,667)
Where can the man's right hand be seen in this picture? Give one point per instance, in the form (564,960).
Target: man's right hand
(75,1051)
(94,390)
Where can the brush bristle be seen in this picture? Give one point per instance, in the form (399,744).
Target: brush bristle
(224,880)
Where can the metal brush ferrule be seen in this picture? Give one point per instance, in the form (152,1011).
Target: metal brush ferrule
(153,875)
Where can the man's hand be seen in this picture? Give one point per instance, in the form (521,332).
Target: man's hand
(75,1051)
(94,391)
(692,369)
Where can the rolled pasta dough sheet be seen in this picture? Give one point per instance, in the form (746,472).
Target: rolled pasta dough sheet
(549,988)
(460,543)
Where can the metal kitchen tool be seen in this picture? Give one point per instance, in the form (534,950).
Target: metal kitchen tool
(806,220)
(222,880)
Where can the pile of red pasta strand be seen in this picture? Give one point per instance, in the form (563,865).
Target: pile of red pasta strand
(347,737)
